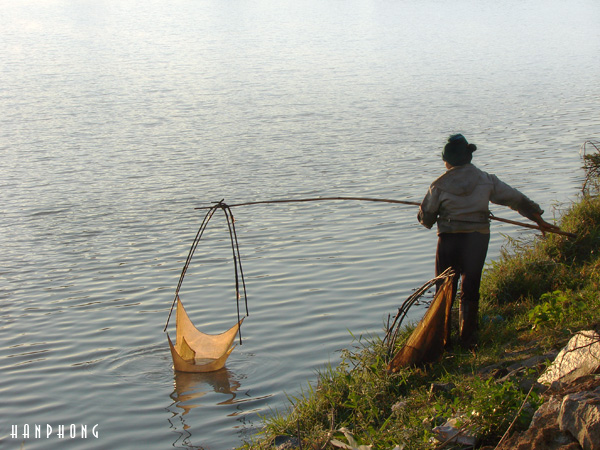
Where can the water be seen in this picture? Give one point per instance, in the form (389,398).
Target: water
(118,118)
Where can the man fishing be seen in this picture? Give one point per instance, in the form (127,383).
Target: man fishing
(459,202)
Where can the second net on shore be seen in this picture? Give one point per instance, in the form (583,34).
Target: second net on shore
(426,343)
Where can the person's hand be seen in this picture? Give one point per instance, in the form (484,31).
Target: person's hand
(544,226)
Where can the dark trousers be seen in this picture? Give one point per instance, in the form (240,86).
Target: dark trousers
(465,253)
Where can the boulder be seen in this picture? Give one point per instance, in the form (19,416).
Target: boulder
(284,442)
(580,357)
(450,432)
(543,433)
(570,418)
(580,416)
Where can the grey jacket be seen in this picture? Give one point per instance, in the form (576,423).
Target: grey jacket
(458,200)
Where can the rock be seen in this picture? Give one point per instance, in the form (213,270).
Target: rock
(585,383)
(515,373)
(283,442)
(535,361)
(509,369)
(580,416)
(543,433)
(548,412)
(580,357)
(450,433)
(570,418)
(444,388)
(493,371)
(519,371)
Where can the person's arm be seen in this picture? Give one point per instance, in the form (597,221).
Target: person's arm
(504,194)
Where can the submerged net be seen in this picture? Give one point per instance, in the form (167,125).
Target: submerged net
(193,350)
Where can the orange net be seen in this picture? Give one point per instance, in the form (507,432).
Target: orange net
(427,341)
(195,351)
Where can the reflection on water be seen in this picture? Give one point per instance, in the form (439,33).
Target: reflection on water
(189,386)
(202,402)
(189,389)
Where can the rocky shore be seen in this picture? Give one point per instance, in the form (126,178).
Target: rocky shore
(569,419)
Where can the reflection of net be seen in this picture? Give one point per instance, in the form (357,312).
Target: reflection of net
(426,343)
(195,351)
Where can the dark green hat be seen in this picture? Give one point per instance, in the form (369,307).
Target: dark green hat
(458,151)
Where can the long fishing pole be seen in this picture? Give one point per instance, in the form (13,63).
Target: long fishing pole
(533,227)
(385,200)
(317,199)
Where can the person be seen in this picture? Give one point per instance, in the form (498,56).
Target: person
(458,202)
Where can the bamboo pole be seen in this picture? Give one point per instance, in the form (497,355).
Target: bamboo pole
(317,199)
(385,200)
(533,227)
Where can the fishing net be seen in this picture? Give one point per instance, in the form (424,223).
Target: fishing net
(193,350)
(427,341)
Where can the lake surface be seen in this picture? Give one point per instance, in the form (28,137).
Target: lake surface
(118,118)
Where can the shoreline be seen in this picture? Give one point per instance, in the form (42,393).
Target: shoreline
(534,298)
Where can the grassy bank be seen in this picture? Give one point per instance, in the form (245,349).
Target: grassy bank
(533,299)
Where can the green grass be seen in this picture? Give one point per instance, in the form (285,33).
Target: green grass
(533,299)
